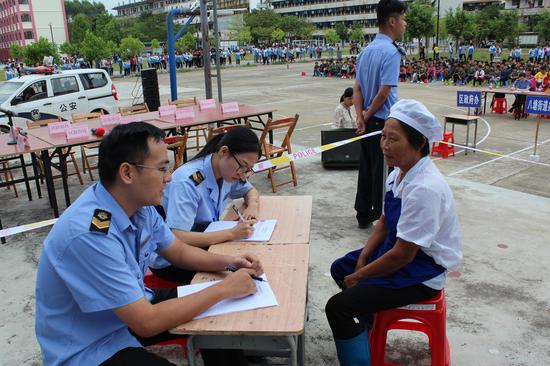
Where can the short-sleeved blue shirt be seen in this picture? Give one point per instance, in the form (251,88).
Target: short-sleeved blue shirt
(84,274)
(190,205)
(377,65)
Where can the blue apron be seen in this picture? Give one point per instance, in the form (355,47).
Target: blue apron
(421,269)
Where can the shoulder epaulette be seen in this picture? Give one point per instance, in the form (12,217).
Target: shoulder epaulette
(101,221)
(197,177)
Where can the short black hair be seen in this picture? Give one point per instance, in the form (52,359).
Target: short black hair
(416,139)
(347,93)
(125,143)
(388,8)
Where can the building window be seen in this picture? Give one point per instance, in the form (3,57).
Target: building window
(25,18)
(515,4)
(23,2)
(29,35)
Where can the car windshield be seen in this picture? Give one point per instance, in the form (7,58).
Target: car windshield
(7,89)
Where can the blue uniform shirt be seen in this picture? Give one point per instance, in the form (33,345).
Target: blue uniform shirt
(83,274)
(377,65)
(190,203)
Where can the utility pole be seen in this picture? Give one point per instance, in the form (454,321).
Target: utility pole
(437,26)
(51,32)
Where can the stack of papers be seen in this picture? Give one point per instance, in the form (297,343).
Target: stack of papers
(262,229)
(263,298)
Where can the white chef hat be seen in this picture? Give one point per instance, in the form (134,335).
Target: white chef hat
(416,115)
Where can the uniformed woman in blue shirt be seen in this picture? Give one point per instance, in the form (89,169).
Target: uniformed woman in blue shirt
(199,192)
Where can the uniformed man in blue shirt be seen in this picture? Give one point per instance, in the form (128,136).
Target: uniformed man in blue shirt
(92,307)
(375,91)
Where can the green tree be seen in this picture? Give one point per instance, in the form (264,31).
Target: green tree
(293,26)
(93,48)
(332,37)
(89,8)
(108,27)
(460,25)
(17,51)
(155,43)
(69,49)
(356,34)
(543,26)
(262,23)
(78,27)
(306,30)
(508,27)
(244,36)
(145,27)
(35,52)
(277,35)
(420,19)
(342,31)
(187,41)
(130,47)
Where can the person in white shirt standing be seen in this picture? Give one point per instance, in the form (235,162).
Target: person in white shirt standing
(413,245)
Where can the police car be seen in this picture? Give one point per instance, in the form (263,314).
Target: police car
(42,96)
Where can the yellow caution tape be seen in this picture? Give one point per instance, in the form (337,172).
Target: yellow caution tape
(27,227)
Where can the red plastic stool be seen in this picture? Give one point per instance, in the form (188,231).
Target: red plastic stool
(500,105)
(444,149)
(430,316)
(152,281)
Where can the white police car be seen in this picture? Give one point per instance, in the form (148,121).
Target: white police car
(41,96)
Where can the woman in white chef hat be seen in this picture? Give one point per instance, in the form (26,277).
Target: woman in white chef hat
(414,243)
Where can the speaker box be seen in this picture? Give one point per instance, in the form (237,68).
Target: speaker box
(346,156)
(150,85)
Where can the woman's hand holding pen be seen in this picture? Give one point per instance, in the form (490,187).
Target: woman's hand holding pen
(243,230)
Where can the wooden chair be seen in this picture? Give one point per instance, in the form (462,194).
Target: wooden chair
(71,157)
(134,109)
(212,132)
(177,144)
(270,151)
(197,131)
(84,117)
(8,176)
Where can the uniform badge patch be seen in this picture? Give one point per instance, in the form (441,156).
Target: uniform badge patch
(101,221)
(197,177)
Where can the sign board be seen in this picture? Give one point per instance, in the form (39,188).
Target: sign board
(536,104)
(230,107)
(58,127)
(167,110)
(110,119)
(207,104)
(77,132)
(468,99)
(185,113)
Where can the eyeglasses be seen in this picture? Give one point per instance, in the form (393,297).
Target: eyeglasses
(164,170)
(243,171)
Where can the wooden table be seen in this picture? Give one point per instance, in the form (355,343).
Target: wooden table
(246,113)
(485,91)
(462,120)
(293,214)
(279,328)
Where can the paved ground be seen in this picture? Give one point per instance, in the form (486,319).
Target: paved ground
(499,302)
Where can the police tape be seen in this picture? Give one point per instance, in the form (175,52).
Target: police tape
(264,165)
(307,153)
(23,228)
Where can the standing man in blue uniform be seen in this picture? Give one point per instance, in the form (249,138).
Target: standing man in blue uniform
(92,307)
(375,91)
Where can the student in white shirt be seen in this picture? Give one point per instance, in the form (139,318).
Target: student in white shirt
(344,114)
(414,243)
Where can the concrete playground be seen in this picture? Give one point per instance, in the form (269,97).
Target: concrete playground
(499,298)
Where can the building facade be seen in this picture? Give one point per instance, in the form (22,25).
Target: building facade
(527,8)
(135,8)
(25,21)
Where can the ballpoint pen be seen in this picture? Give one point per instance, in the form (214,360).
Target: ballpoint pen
(231,268)
(238,213)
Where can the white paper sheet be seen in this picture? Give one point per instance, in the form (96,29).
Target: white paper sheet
(262,229)
(263,298)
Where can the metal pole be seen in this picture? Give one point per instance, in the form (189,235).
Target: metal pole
(206,50)
(437,26)
(172,56)
(51,32)
(217,42)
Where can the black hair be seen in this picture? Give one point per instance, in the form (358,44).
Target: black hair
(239,140)
(388,8)
(125,143)
(347,93)
(416,139)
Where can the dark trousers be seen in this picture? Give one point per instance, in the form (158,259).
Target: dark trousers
(174,274)
(368,200)
(137,356)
